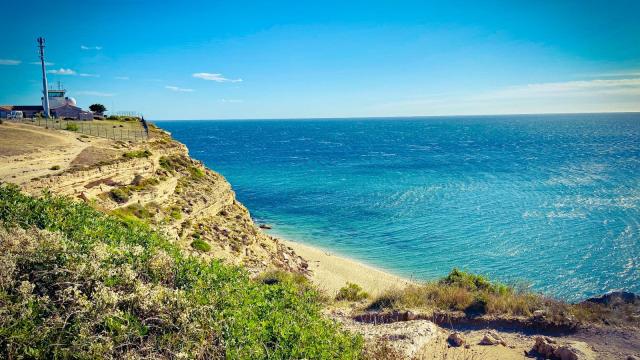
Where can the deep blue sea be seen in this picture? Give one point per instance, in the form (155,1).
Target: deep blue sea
(552,201)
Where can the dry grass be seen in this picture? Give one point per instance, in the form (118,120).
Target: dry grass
(460,292)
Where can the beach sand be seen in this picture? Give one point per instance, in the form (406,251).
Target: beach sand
(331,272)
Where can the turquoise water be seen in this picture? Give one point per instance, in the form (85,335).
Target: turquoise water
(549,200)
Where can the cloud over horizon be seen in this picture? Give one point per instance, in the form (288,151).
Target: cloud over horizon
(178,89)
(84,47)
(61,71)
(214,77)
(9,62)
(629,86)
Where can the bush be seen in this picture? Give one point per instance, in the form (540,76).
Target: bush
(174,163)
(76,283)
(55,167)
(351,292)
(175,212)
(119,195)
(201,245)
(136,210)
(474,282)
(137,154)
(196,172)
(72,127)
(462,291)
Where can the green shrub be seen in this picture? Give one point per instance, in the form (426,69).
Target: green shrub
(55,167)
(136,210)
(474,282)
(72,127)
(175,163)
(175,212)
(196,172)
(76,283)
(119,195)
(201,245)
(351,292)
(136,154)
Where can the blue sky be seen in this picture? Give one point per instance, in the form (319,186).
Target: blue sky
(288,59)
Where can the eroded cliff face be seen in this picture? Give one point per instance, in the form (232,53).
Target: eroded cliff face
(157,182)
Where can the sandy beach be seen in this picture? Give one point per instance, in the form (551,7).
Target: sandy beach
(330,272)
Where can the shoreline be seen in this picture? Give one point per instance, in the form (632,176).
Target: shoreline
(330,272)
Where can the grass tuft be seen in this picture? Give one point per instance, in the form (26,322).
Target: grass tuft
(137,154)
(201,245)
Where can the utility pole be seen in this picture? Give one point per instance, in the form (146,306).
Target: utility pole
(45,86)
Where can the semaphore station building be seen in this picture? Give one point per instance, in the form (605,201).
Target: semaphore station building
(60,106)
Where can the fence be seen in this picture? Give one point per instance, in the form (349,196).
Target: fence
(116,130)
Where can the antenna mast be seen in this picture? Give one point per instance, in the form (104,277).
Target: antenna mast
(45,87)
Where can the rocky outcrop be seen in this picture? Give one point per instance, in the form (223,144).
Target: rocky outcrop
(552,349)
(456,339)
(615,298)
(492,338)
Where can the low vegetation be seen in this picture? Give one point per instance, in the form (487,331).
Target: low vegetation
(136,154)
(72,127)
(123,118)
(201,245)
(462,291)
(351,292)
(119,195)
(174,163)
(76,283)
(122,194)
(175,213)
(55,167)
(196,172)
(135,212)
(476,295)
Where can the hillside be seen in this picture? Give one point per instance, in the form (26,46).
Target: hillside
(155,181)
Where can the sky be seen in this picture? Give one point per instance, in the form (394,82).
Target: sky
(314,59)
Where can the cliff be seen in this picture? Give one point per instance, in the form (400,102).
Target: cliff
(154,181)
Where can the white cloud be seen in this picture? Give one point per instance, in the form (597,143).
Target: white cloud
(630,86)
(122,78)
(9,62)
(95,93)
(214,77)
(62,71)
(84,47)
(179,89)
(38,63)
(230,100)
(595,95)
(89,75)
(613,74)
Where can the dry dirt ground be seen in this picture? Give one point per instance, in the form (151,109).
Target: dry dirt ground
(29,151)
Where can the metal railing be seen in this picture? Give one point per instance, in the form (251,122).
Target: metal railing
(100,128)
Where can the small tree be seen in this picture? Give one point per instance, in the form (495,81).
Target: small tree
(97,108)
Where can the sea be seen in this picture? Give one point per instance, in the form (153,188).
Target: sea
(549,202)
